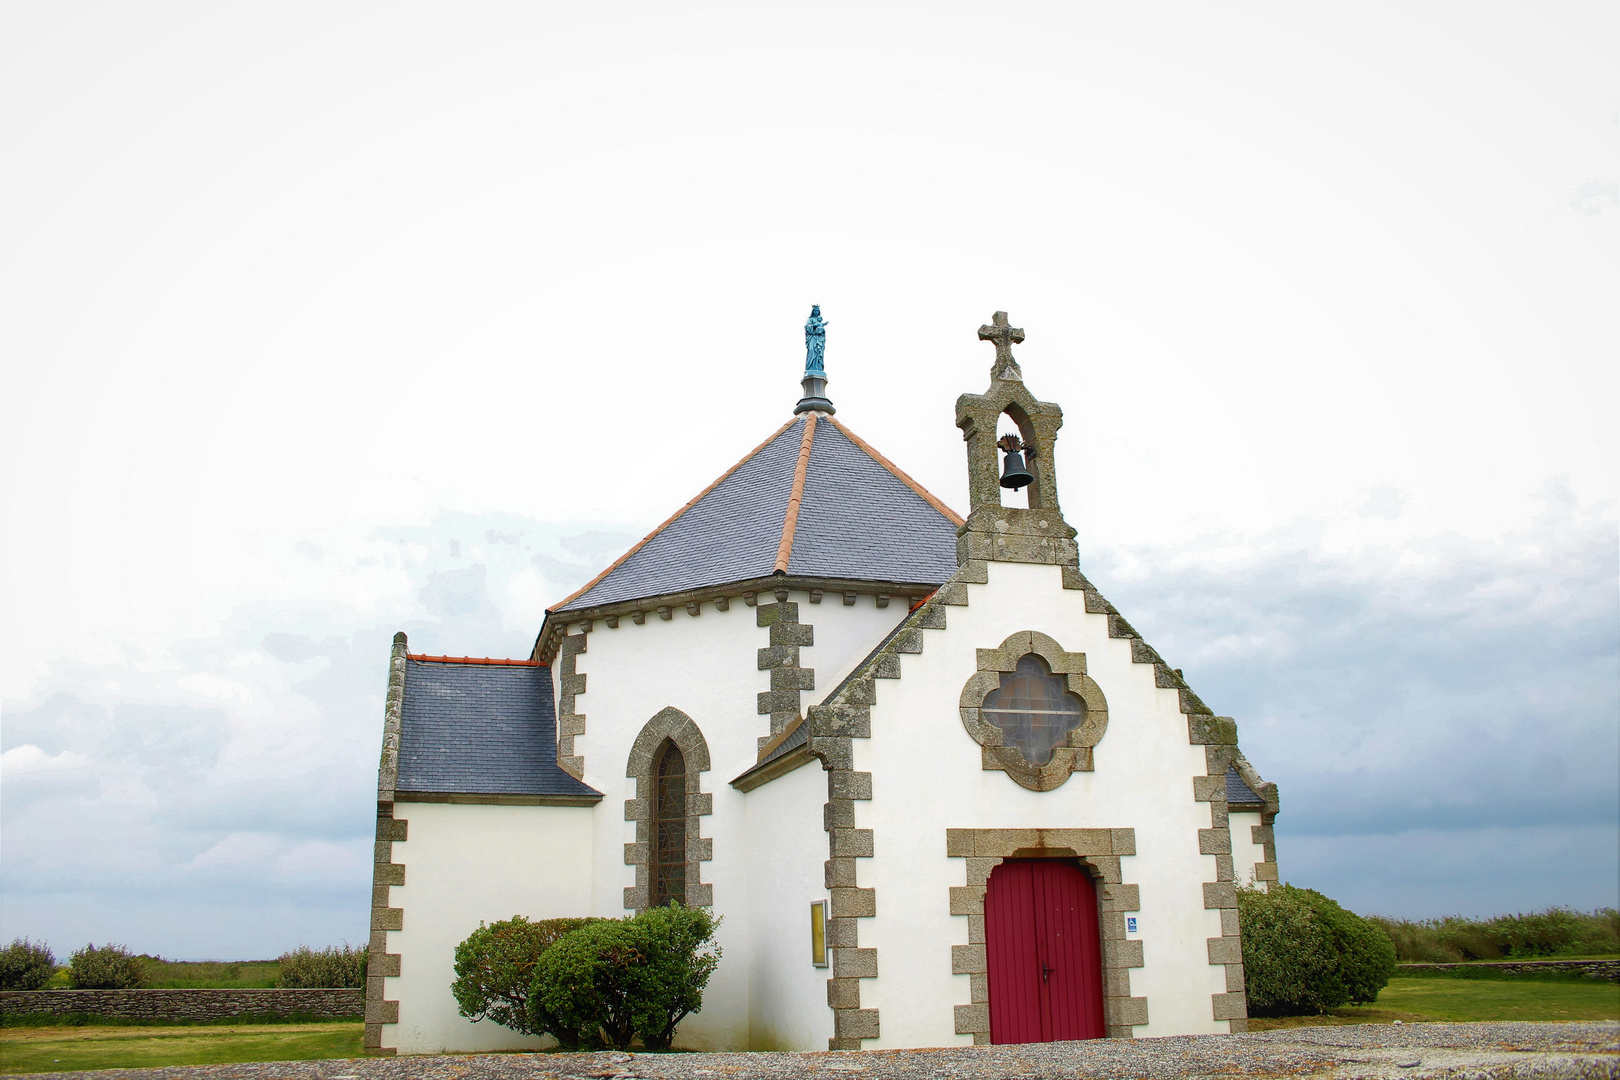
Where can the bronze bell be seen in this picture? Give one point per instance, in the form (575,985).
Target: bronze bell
(1015,474)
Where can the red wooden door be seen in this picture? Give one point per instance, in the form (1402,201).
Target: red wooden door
(1045,954)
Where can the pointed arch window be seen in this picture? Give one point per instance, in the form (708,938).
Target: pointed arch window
(669,826)
(667,761)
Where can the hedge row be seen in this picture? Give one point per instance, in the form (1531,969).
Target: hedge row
(1557,931)
(27,965)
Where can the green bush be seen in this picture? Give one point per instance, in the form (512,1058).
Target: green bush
(583,986)
(1550,933)
(1365,954)
(613,981)
(495,969)
(1303,954)
(26,966)
(339,966)
(678,956)
(107,967)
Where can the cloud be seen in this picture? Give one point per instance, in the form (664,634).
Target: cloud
(1439,686)
(1423,703)
(231,777)
(457,593)
(1594,197)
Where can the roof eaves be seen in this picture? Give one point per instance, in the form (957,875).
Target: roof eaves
(483,661)
(555,621)
(588,796)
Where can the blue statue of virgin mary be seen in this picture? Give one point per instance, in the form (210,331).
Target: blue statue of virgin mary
(815,376)
(815,342)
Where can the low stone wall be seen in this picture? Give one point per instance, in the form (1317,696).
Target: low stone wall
(1595,969)
(187,1004)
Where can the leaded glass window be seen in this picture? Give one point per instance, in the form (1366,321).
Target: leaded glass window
(1033,709)
(669,827)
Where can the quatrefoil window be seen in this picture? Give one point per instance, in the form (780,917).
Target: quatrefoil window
(1033,710)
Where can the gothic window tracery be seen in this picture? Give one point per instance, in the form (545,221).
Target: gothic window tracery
(667,762)
(669,827)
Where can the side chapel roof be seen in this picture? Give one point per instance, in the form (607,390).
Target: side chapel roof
(485,728)
(1238,793)
(813,500)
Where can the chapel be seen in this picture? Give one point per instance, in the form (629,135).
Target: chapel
(939,790)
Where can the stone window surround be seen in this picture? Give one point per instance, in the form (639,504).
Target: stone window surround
(1098,852)
(1075,755)
(672,724)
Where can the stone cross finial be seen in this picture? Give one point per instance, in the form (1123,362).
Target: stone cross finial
(1004,337)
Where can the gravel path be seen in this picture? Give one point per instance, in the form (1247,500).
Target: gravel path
(1582,1051)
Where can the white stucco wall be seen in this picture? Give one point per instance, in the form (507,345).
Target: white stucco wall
(467,863)
(1245,852)
(463,865)
(844,635)
(706,666)
(927,777)
(787,849)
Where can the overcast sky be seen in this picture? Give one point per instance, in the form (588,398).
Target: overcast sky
(322,321)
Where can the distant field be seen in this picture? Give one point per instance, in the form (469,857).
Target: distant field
(1428,999)
(198,975)
(57,1049)
(181,975)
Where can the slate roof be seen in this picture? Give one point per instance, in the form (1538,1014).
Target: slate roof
(1238,793)
(469,728)
(829,507)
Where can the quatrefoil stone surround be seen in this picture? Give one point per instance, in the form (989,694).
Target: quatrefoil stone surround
(1075,755)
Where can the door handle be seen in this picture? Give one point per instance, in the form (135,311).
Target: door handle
(1045,971)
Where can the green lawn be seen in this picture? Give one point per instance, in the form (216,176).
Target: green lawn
(57,1049)
(1417,1000)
